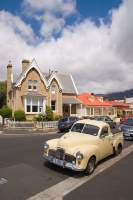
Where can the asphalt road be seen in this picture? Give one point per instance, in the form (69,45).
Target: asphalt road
(21,165)
(116,183)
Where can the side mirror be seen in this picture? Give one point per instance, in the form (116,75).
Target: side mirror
(104,133)
(102,136)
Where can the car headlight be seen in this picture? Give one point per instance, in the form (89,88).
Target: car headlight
(46,146)
(79,156)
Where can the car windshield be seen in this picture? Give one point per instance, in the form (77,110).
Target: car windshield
(78,127)
(90,129)
(85,128)
(100,118)
(129,122)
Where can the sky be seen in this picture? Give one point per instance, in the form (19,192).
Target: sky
(91,39)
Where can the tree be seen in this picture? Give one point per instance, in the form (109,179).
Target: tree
(19,115)
(5,112)
(3,88)
(49,114)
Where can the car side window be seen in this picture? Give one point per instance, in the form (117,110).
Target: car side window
(108,118)
(104,132)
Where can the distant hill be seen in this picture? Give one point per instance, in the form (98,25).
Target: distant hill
(119,95)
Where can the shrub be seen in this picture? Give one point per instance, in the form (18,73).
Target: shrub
(40,117)
(19,115)
(49,114)
(57,117)
(5,112)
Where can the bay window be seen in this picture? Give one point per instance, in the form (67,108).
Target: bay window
(28,107)
(34,104)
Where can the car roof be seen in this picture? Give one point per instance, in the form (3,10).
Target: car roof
(100,124)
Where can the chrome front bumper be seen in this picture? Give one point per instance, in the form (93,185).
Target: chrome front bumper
(62,163)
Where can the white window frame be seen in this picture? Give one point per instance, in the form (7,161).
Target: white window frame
(38,105)
(55,105)
(32,85)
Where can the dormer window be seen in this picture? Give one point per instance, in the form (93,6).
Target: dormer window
(32,85)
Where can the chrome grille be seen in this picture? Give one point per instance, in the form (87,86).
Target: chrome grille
(52,152)
(60,153)
(70,158)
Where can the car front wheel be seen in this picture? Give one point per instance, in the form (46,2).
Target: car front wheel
(91,165)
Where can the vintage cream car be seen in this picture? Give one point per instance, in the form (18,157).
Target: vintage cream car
(87,143)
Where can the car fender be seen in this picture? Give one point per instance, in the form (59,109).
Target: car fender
(88,152)
(118,141)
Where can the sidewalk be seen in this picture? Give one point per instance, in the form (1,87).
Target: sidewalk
(28,131)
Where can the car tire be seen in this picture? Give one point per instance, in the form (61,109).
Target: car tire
(90,166)
(118,150)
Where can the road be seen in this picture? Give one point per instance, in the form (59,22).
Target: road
(116,183)
(21,165)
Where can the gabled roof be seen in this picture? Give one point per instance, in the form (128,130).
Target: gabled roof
(52,77)
(116,103)
(89,99)
(65,81)
(23,75)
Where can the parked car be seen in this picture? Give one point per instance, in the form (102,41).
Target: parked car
(124,119)
(88,142)
(127,128)
(66,123)
(106,119)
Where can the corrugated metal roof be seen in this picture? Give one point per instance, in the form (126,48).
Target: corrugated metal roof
(89,99)
(67,83)
(70,101)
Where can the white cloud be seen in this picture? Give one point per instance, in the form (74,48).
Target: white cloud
(99,57)
(51,24)
(122,30)
(17,25)
(65,7)
(51,14)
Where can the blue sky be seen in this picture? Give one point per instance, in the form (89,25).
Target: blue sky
(91,39)
(94,9)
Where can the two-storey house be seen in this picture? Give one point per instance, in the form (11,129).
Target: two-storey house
(33,89)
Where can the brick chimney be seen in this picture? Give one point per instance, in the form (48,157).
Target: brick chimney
(25,64)
(9,84)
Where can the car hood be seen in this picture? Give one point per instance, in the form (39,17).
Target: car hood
(73,139)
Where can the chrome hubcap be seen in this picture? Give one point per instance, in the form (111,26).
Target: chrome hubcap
(91,166)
